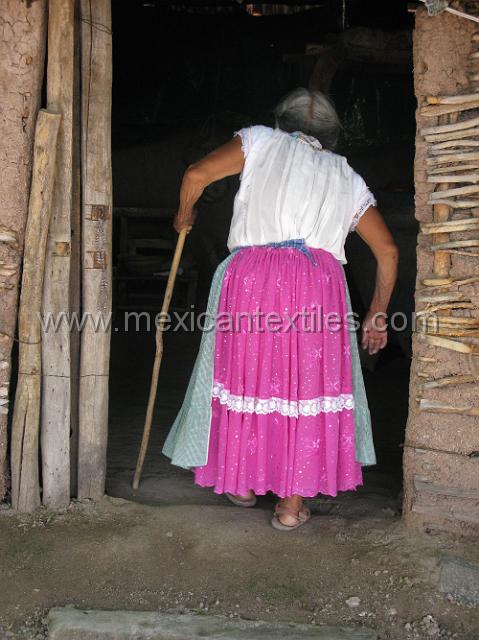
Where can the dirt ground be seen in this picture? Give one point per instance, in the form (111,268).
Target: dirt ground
(172,546)
(215,557)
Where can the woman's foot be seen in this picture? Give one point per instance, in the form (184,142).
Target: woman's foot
(290,514)
(249,500)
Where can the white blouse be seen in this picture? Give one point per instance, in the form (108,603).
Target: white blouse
(292,188)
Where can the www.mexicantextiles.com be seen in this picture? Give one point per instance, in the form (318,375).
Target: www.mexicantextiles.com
(307,321)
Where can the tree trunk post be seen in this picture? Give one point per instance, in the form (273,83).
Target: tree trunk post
(56,364)
(96,245)
(22,54)
(26,415)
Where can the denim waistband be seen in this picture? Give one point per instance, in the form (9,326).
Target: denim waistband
(297,243)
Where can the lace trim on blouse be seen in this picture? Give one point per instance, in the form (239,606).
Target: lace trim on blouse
(245,144)
(289,408)
(368,200)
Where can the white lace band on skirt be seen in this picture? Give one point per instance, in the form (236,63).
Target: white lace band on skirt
(292,409)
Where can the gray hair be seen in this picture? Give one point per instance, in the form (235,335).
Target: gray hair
(311,112)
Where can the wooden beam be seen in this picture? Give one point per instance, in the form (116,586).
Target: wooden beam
(450,226)
(440,407)
(456,204)
(456,156)
(435,110)
(96,245)
(446,381)
(453,135)
(454,169)
(465,177)
(56,373)
(457,100)
(455,244)
(26,415)
(448,128)
(438,149)
(457,191)
(446,343)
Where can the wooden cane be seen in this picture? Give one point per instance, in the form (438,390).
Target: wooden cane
(158,357)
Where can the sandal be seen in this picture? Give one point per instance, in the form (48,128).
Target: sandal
(301,518)
(241,502)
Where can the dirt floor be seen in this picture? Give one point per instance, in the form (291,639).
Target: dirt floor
(175,547)
(354,564)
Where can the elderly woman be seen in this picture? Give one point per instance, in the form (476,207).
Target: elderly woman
(276,400)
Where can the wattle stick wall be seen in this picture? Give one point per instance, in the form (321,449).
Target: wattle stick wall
(441,463)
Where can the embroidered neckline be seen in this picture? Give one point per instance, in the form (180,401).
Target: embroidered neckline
(290,408)
(312,141)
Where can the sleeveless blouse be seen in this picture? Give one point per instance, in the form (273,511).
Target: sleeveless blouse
(292,188)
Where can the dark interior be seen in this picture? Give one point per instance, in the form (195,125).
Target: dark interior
(186,76)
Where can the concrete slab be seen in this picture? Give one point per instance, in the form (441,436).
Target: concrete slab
(459,578)
(75,624)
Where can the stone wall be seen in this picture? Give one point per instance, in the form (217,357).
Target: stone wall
(441,457)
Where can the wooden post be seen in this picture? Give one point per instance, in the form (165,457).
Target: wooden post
(26,415)
(22,54)
(56,381)
(96,245)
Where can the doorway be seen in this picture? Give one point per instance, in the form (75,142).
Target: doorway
(186,76)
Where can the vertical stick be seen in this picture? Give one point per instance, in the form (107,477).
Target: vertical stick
(56,393)
(96,245)
(158,358)
(75,268)
(442,259)
(26,415)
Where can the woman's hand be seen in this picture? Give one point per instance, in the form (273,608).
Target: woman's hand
(374,335)
(192,187)
(184,220)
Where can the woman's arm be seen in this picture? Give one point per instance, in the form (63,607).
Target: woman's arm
(227,160)
(373,230)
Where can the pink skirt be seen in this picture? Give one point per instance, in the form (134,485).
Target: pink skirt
(282,406)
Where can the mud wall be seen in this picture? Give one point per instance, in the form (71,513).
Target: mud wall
(441,457)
